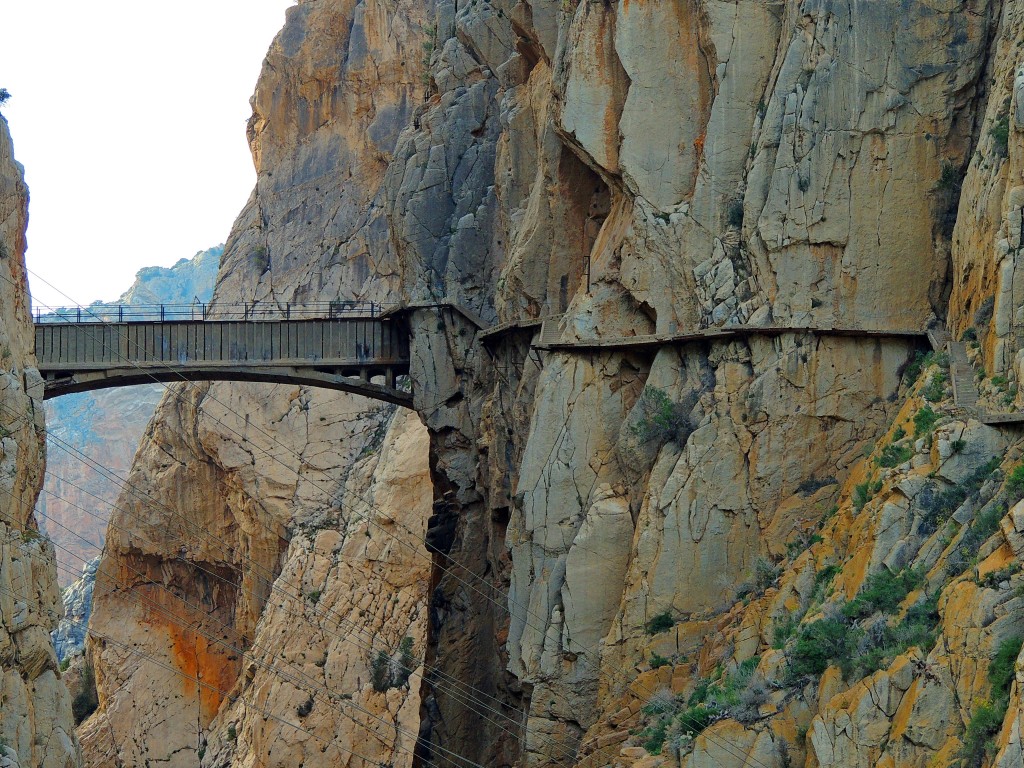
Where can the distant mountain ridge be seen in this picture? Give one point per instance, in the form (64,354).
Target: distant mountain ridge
(183,283)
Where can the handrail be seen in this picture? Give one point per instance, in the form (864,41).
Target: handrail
(254,310)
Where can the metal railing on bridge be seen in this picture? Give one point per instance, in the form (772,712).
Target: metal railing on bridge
(198,311)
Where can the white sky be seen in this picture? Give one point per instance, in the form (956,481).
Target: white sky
(129,117)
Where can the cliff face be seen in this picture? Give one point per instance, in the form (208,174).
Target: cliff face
(769,548)
(662,168)
(35,709)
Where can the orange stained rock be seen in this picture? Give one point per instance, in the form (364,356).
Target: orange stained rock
(198,657)
(901,719)
(998,560)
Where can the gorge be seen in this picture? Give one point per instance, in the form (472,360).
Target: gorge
(711,304)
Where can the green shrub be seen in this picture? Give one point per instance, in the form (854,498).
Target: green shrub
(1015,484)
(861,495)
(661,420)
(982,729)
(313,596)
(86,700)
(826,574)
(801,544)
(893,455)
(653,738)
(912,371)
(918,628)
(987,522)
(784,630)
(697,718)
(713,698)
(925,421)
(957,446)
(1000,133)
(31,535)
(4,96)
(937,506)
(1001,670)
(387,671)
(660,623)
(380,672)
(232,733)
(766,574)
(821,644)
(659,661)
(993,579)
(883,592)
(935,390)
(949,179)
(999,381)
(407,660)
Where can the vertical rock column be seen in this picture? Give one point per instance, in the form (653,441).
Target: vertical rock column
(35,707)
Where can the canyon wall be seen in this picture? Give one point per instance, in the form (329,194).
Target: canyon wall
(36,728)
(777,543)
(634,168)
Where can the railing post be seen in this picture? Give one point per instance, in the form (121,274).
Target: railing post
(288,311)
(204,311)
(79,314)
(161,313)
(120,313)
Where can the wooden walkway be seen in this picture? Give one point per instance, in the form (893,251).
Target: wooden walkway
(549,336)
(341,353)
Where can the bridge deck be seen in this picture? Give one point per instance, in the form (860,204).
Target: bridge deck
(335,353)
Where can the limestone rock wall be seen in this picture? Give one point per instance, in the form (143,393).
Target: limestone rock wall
(986,239)
(662,167)
(36,728)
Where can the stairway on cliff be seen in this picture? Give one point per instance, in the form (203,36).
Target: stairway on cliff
(965,393)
